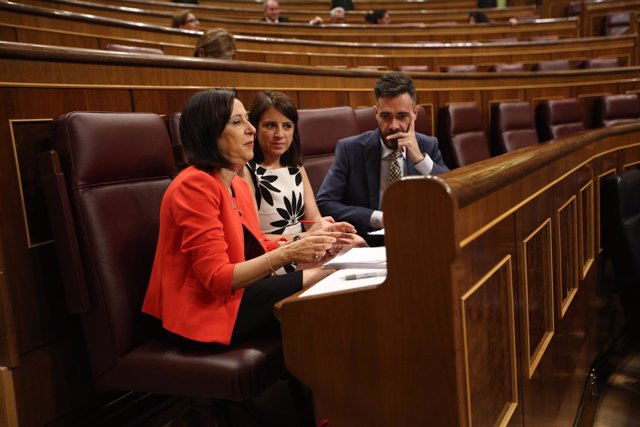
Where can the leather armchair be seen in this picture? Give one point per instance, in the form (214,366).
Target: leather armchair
(620,208)
(103,185)
(512,127)
(461,135)
(557,118)
(613,110)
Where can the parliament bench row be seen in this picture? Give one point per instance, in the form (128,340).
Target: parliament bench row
(561,27)
(425,57)
(302,14)
(175,41)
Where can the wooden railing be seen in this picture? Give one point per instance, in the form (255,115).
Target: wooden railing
(435,56)
(235,11)
(561,27)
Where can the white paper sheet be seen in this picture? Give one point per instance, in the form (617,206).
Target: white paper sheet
(337,282)
(360,258)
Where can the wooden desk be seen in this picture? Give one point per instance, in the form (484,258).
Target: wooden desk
(490,309)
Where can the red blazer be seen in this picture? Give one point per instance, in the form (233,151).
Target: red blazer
(200,241)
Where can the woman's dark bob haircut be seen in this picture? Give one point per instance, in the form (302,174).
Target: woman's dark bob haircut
(202,122)
(281,102)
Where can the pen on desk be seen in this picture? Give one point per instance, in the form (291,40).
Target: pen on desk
(306,221)
(380,273)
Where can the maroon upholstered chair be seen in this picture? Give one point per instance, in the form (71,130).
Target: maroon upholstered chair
(460,134)
(600,63)
(613,110)
(515,66)
(320,129)
(574,8)
(620,221)
(512,127)
(466,68)
(557,118)
(133,49)
(104,183)
(616,23)
(552,65)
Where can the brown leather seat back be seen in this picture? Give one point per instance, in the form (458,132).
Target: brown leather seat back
(466,68)
(514,66)
(557,118)
(616,23)
(461,135)
(552,65)
(600,63)
(117,166)
(320,129)
(613,110)
(513,127)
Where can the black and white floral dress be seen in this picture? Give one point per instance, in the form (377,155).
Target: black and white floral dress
(280,199)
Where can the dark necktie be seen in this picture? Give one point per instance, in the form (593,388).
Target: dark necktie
(394,170)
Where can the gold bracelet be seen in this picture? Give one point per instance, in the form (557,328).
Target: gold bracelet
(268,257)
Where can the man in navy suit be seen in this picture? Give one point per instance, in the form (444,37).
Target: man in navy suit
(353,188)
(272,12)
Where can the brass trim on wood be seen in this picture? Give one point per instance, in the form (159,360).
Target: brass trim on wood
(586,244)
(533,359)
(30,243)
(572,288)
(8,409)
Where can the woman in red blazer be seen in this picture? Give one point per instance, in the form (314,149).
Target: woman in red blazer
(212,278)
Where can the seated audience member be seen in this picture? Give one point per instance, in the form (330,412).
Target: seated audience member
(272,12)
(345,4)
(366,164)
(478,18)
(213,278)
(337,15)
(216,43)
(378,16)
(186,20)
(282,190)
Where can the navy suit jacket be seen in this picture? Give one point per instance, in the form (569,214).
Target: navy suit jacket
(280,19)
(351,189)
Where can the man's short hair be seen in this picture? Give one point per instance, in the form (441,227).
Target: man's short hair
(394,84)
(336,10)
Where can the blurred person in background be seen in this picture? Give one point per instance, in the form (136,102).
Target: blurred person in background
(216,43)
(185,20)
(337,15)
(378,16)
(272,12)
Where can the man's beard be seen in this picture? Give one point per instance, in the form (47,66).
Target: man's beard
(390,143)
